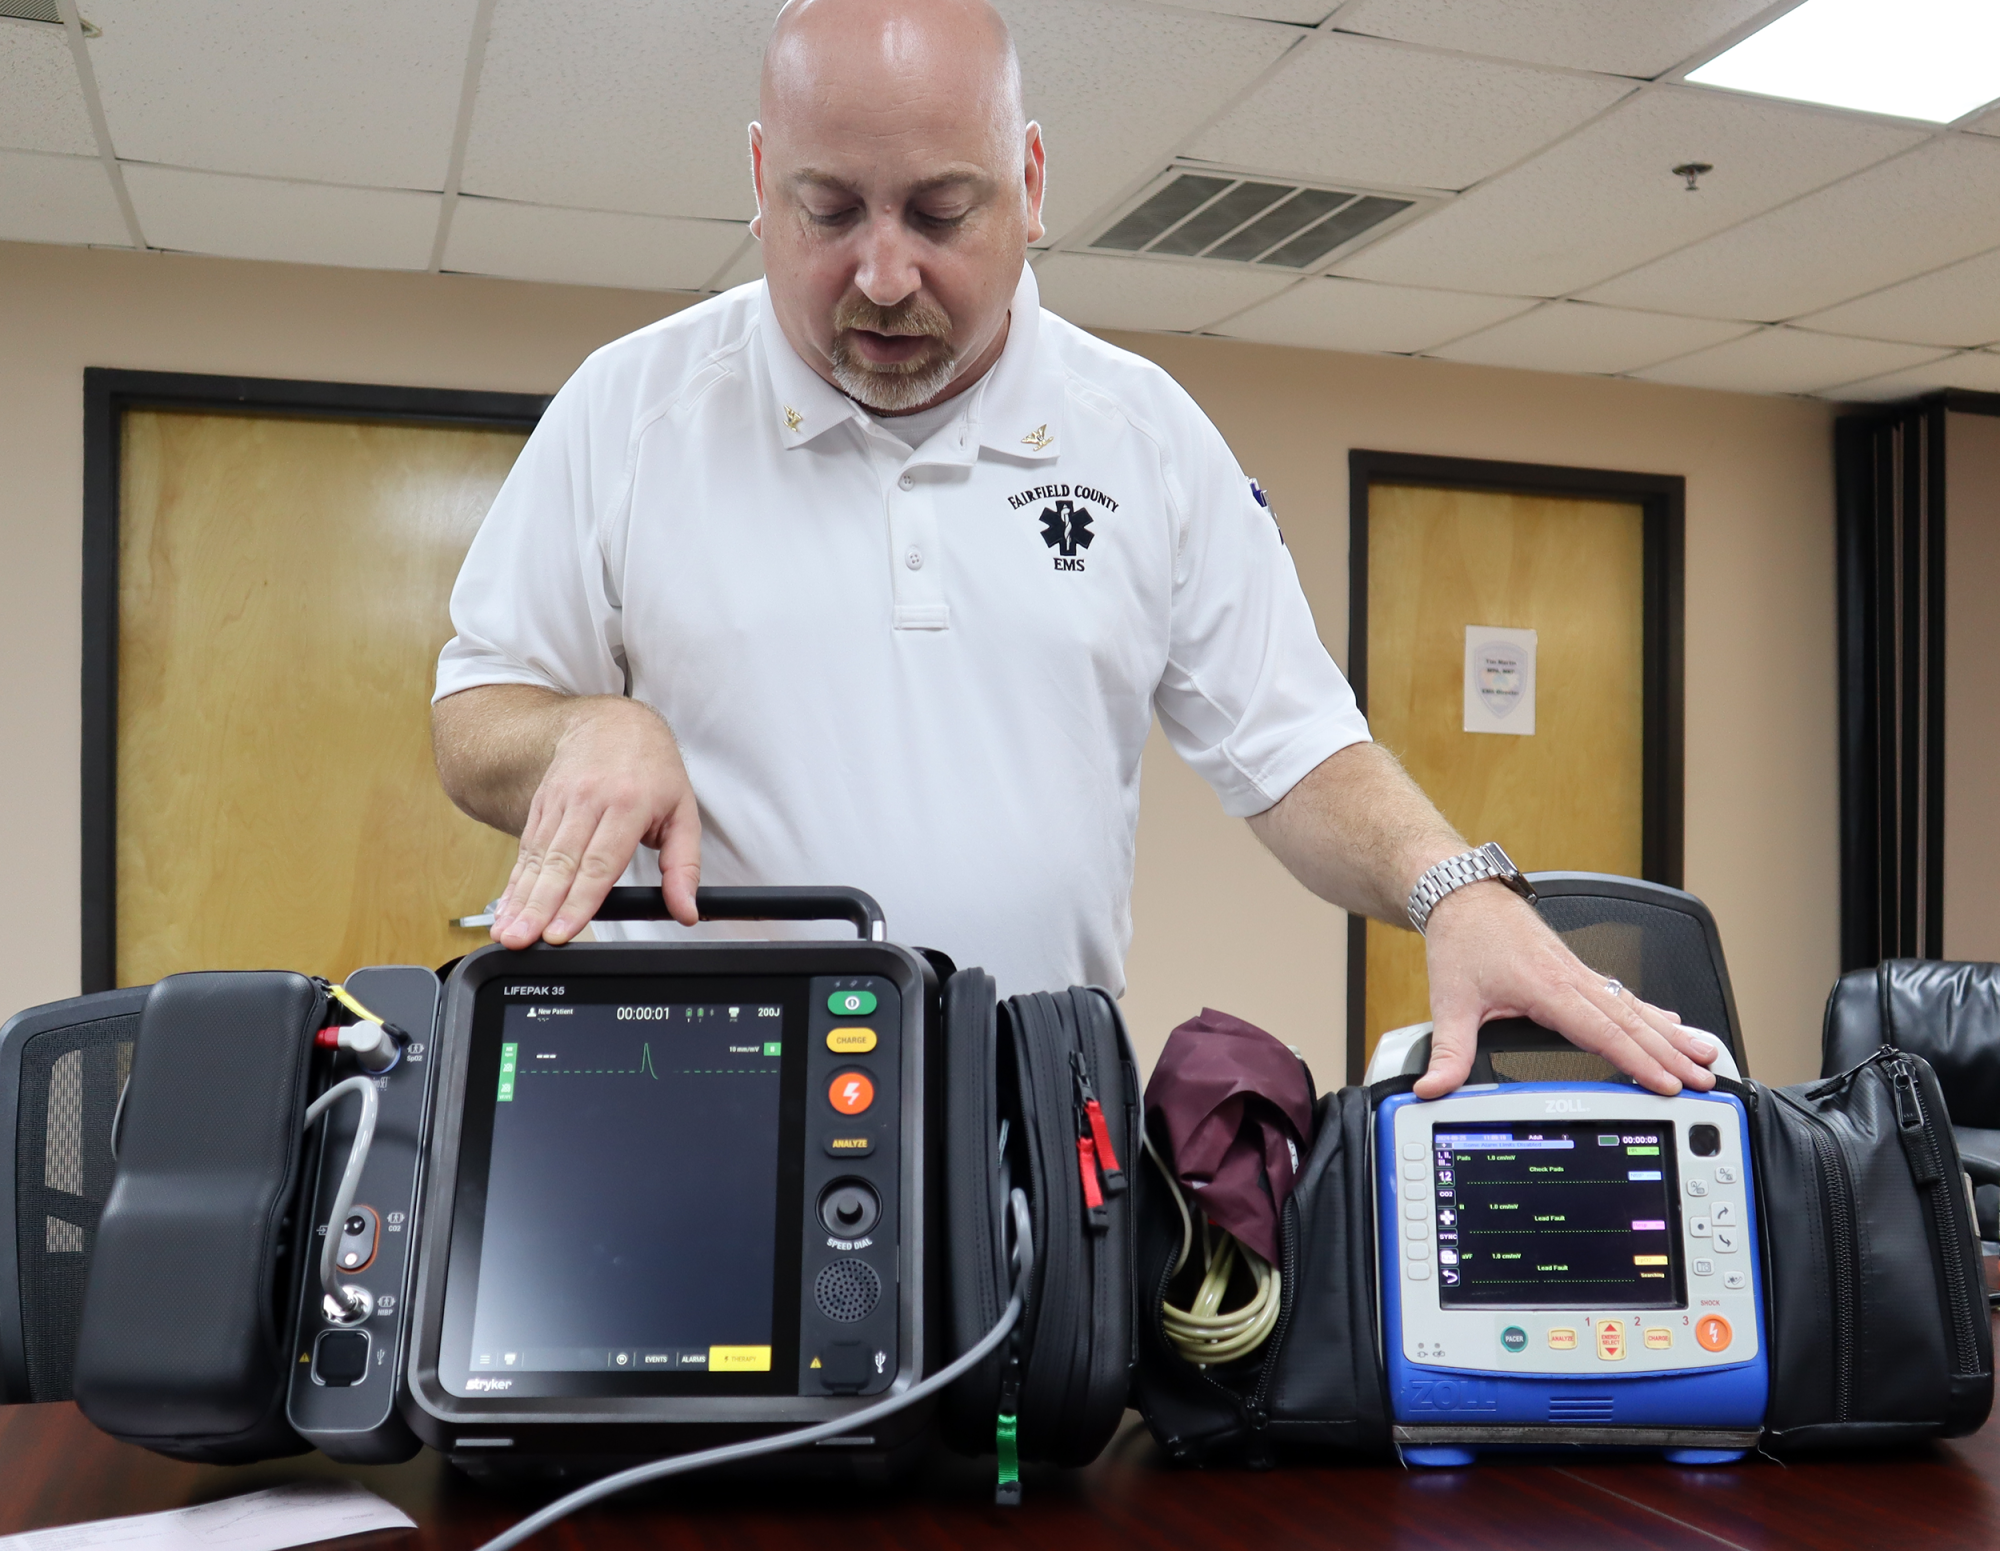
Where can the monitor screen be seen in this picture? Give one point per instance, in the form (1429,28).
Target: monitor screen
(1567,1216)
(628,1212)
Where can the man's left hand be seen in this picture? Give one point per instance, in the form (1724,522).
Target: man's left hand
(1490,955)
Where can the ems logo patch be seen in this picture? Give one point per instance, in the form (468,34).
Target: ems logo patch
(1066,529)
(1067,522)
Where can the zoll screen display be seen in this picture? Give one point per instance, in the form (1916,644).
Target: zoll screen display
(1575,1215)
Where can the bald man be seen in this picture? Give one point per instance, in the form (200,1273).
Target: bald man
(875,573)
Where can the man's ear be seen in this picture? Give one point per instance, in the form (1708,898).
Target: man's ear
(757,176)
(1035,164)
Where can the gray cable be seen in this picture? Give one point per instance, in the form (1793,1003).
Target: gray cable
(681,1464)
(350,1179)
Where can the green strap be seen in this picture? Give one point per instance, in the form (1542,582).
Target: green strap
(1009,1457)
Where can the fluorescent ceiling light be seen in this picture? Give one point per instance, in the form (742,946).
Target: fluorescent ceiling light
(1924,59)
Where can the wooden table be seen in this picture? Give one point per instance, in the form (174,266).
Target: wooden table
(56,1469)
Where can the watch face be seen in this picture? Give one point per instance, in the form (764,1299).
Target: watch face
(1500,858)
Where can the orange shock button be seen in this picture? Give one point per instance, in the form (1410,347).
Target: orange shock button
(1713,1332)
(851,1092)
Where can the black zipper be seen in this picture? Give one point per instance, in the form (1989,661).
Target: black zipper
(1288,1256)
(1839,1188)
(1940,1191)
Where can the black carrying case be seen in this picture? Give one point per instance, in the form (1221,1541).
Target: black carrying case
(1318,1382)
(1028,1068)
(203,1215)
(1878,1328)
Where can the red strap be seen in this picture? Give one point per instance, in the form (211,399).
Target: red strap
(1086,1161)
(1101,1132)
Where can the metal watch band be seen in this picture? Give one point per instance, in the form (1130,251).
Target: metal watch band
(1455,872)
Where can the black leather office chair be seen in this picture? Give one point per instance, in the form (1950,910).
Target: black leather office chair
(1949,1013)
(1661,942)
(62,1068)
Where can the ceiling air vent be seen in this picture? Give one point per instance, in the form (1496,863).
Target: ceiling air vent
(31,11)
(1218,215)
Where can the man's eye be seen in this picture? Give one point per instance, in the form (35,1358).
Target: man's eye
(838,216)
(941,220)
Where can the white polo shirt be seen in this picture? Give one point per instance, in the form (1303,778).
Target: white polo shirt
(927,673)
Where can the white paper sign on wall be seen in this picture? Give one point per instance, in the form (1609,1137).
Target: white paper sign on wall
(1499,680)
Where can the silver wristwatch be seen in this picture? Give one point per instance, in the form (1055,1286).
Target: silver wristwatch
(1455,872)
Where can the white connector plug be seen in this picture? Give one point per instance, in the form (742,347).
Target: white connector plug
(371,1044)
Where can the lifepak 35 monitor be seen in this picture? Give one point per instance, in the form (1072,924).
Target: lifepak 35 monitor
(1569,1264)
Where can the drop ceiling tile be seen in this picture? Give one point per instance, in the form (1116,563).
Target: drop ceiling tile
(1117,88)
(338,91)
(1350,108)
(1300,12)
(1975,370)
(1939,203)
(587,247)
(1787,360)
(41,100)
(748,265)
(1114,293)
(1957,305)
(637,105)
(296,223)
(58,199)
(1327,314)
(1641,40)
(1606,198)
(1577,337)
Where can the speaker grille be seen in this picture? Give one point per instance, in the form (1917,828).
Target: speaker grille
(847,1290)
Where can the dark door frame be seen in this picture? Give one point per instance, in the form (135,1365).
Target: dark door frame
(107,395)
(1662,499)
(1891,492)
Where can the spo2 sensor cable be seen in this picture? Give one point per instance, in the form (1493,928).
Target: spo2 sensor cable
(777,1443)
(345,1305)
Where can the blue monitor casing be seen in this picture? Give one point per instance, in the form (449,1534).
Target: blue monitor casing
(1569,1264)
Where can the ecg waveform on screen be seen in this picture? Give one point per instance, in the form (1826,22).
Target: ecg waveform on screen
(643,1069)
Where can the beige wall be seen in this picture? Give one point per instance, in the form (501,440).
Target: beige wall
(1217,920)
(1972,687)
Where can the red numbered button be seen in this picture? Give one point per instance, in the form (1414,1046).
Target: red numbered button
(850,1092)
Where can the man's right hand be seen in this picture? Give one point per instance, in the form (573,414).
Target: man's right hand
(614,781)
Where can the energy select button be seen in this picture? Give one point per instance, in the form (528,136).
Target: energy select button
(851,1092)
(1610,1341)
(851,1004)
(850,1042)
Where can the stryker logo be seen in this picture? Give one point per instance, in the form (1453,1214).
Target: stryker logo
(474,1385)
(1564,1107)
(535,990)
(1453,1395)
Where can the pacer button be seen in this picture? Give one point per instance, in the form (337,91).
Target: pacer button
(1713,1332)
(850,1092)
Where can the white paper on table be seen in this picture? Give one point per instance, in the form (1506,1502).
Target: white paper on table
(294,1515)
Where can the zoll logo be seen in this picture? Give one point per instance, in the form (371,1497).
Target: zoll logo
(1564,1107)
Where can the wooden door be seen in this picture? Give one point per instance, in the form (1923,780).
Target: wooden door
(1569,797)
(283,590)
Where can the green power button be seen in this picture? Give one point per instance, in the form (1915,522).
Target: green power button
(851,1004)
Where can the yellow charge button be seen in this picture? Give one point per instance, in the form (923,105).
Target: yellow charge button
(739,1359)
(1562,1339)
(1658,1338)
(850,1042)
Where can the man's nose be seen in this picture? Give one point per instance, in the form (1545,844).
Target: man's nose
(888,272)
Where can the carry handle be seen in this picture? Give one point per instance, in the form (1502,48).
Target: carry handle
(639,902)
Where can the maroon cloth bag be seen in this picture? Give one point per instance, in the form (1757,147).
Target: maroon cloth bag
(1237,1107)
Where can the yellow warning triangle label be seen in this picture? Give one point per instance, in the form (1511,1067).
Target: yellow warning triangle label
(815,1362)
